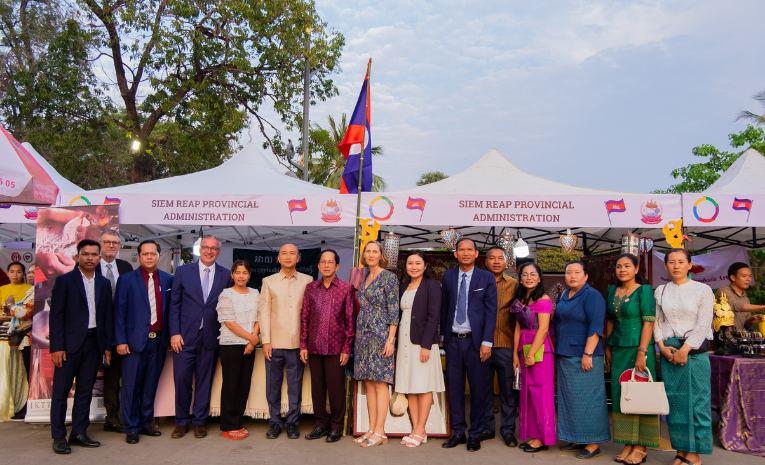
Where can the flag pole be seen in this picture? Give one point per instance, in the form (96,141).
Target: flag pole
(357,227)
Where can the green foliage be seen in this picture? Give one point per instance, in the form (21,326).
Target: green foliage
(696,177)
(553,259)
(757,291)
(327,163)
(431,176)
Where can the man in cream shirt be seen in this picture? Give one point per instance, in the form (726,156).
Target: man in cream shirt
(281,299)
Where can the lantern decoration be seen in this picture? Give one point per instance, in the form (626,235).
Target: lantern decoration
(673,232)
(568,241)
(521,248)
(646,244)
(451,236)
(390,245)
(631,244)
(506,242)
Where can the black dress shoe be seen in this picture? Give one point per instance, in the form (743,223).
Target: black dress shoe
(83,440)
(317,433)
(486,435)
(572,446)
(454,441)
(131,438)
(113,427)
(473,445)
(528,448)
(586,454)
(150,431)
(60,446)
(333,436)
(292,431)
(274,431)
(510,440)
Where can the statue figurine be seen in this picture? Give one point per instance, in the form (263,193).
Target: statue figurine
(723,324)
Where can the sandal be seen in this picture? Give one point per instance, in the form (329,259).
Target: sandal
(619,458)
(363,437)
(405,439)
(642,459)
(415,440)
(378,440)
(685,460)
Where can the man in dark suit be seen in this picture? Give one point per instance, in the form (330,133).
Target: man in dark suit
(468,320)
(141,306)
(80,318)
(111,268)
(194,331)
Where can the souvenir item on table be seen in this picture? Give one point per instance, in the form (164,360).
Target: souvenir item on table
(631,244)
(390,243)
(723,324)
(568,241)
(506,241)
(451,236)
(673,232)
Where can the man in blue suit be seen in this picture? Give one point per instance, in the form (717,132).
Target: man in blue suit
(140,334)
(80,317)
(468,319)
(194,331)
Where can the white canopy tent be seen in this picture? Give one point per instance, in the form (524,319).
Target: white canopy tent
(732,210)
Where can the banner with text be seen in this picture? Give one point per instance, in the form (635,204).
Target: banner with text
(710,268)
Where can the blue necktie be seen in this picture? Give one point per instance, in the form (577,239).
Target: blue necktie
(462,301)
(206,284)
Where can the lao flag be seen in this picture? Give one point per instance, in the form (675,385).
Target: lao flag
(357,137)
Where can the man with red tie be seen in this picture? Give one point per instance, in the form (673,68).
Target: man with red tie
(140,334)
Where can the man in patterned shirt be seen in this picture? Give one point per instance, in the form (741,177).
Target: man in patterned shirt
(326,338)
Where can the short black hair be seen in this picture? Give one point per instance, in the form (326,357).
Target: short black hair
(23,268)
(149,241)
(333,252)
(677,250)
(495,247)
(243,263)
(463,239)
(87,243)
(735,267)
(576,262)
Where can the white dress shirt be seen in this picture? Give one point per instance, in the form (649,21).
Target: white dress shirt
(90,296)
(684,311)
(115,271)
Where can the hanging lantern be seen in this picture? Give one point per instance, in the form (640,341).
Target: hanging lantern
(646,244)
(506,242)
(390,245)
(631,244)
(521,248)
(451,236)
(568,241)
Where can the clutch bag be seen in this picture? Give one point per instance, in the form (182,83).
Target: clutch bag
(538,357)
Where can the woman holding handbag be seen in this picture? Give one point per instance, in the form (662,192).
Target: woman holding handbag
(579,321)
(532,309)
(629,332)
(683,331)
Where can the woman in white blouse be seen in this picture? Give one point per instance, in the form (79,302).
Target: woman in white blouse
(238,315)
(683,329)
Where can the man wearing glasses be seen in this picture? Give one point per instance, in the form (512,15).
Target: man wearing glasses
(194,331)
(111,268)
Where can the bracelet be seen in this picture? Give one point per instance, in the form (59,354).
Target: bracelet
(643,350)
(585,354)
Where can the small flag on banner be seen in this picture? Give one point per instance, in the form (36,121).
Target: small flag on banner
(296,205)
(112,201)
(416,203)
(743,204)
(615,206)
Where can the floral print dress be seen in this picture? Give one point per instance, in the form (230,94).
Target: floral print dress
(378,310)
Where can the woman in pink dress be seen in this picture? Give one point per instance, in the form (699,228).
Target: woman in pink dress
(532,309)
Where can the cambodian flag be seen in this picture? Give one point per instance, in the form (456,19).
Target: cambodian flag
(112,200)
(742,204)
(416,203)
(296,205)
(358,137)
(615,206)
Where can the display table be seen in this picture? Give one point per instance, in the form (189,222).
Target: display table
(738,392)
(257,407)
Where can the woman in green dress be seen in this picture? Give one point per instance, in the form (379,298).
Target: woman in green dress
(629,331)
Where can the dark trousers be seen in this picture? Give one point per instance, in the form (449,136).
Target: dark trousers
(140,377)
(112,378)
(327,377)
(284,360)
(81,365)
(501,363)
(462,358)
(193,363)
(236,368)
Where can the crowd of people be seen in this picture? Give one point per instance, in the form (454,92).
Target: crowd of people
(550,353)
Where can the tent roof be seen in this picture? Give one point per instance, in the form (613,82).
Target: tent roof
(494,173)
(745,175)
(247,172)
(64,185)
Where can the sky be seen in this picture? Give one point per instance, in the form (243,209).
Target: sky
(610,95)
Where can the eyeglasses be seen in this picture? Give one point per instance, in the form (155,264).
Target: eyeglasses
(209,247)
(111,242)
(529,275)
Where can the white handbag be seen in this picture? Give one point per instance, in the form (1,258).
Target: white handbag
(643,398)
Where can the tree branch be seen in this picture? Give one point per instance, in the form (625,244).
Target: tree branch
(148,49)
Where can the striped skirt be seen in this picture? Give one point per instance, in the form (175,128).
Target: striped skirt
(689,394)
(582,410)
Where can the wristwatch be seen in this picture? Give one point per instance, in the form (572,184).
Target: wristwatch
(588,355)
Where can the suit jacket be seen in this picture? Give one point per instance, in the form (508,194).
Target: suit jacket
(69,312)
(123,267)
(187,307)
(426,313)
(482,305)
(132,314)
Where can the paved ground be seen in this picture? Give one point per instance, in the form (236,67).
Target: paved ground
(30,444)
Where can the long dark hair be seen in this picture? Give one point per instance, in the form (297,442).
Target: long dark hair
(425,275)
(635,262)
(523,293)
